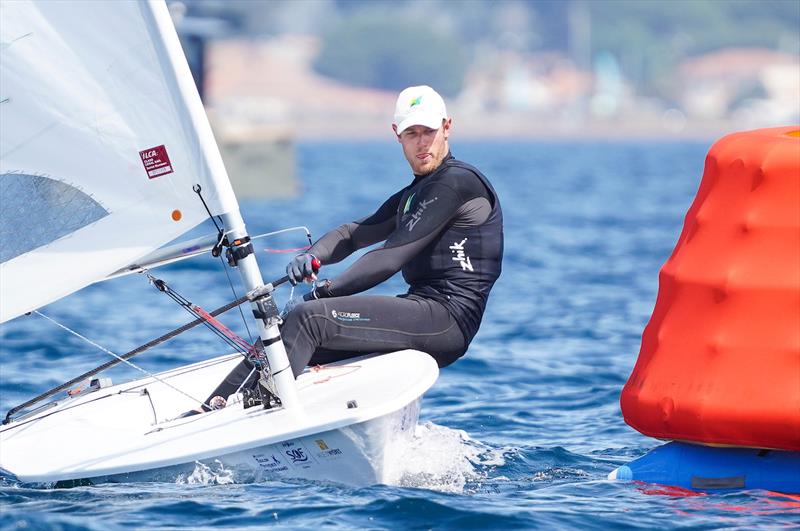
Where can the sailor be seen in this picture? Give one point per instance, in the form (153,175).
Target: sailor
(444,231)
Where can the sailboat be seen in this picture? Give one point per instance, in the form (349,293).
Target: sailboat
(107,160)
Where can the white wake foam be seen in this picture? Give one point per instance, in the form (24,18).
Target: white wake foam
(440,458)
(435,457)
(203,474)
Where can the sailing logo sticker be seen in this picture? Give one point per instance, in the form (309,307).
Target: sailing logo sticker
(270,462)
(325,452)
(330,454)
(460,255)
(156,161)
(297,455)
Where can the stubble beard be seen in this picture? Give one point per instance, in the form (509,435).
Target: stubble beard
(429,165)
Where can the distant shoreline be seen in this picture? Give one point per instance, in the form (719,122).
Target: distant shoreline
(518,132)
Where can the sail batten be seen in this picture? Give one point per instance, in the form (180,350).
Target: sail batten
(102,138)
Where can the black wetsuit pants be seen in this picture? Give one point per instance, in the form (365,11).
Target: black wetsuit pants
(337,328)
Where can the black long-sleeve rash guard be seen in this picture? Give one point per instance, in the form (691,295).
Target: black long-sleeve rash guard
(440,199)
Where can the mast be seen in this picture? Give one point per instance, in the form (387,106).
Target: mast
(268,329)
(232,219)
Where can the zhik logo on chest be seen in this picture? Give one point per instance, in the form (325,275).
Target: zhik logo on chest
(417,215)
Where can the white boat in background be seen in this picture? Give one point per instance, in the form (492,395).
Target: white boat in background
(106,156)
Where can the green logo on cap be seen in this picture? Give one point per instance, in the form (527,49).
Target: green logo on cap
(416,101)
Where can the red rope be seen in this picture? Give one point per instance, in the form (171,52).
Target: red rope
(227,332)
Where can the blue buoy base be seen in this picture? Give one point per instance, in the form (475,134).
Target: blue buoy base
(706,468)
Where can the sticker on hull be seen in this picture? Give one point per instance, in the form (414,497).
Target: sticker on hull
(297,454)
(271,462)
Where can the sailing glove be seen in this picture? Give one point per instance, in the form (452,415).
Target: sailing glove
(321,290)
(300,268)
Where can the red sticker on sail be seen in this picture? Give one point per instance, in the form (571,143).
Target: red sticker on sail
(156,161)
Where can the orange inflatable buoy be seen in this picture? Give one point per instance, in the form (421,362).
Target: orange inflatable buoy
(720,357)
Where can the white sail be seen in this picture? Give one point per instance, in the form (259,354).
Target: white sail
(102,137)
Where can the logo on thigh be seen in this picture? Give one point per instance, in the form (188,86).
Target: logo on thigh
(348,316)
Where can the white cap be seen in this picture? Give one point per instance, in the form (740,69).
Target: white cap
(419,106)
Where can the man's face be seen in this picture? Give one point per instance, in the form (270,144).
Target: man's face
(424,148)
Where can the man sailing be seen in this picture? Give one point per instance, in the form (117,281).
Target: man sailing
(444,231)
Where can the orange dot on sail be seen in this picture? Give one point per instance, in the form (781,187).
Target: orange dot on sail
(176,215)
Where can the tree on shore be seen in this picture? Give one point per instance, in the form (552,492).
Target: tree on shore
(392,53)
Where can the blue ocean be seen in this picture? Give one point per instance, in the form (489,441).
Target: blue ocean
(518,434)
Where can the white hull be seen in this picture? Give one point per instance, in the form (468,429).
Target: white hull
(124,432)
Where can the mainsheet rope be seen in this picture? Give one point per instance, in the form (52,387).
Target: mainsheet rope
(219,329)
(138,350)
(120,358)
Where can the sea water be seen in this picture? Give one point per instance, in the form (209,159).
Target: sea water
(520,433)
